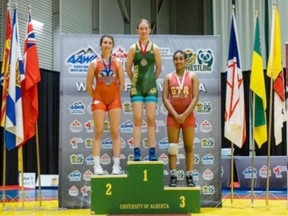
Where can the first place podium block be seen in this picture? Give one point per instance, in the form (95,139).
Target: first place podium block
(141,191)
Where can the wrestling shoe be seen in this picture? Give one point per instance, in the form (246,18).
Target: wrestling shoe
(152,156)
(137,154)
(189,181)
(173,181)
(98,170)
(116,169)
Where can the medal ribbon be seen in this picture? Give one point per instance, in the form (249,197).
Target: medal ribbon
(181,84)
(107,69)
(143,52)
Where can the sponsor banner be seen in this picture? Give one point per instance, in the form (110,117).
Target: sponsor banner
(277,171)
(76,123)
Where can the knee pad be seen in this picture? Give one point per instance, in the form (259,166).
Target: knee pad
(173,149)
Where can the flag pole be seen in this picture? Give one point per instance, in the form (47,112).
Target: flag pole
(232,175)
(270,114)
(20,169)
(252,134)
(38,165)
(252,151)
(4,176)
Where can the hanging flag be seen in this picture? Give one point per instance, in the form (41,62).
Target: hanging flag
(275,71)
(29,84)
(14,120)
(286,83)
(235,119)
(257,85)
(5,67)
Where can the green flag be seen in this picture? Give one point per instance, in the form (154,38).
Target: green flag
(257,85)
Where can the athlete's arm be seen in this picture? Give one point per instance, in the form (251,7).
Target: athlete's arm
(165,96)
(120,76)
(195,94)
(90,78)
(158,61)
(129,61)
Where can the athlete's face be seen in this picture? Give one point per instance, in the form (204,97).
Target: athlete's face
(179,61)
(107,45)
(143,29)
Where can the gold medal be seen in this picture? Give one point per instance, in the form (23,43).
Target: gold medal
(143,62)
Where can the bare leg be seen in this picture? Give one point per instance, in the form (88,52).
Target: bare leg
(173,137)
(114,118)
(150,118)
(98,118)
(137,120)
(188,138)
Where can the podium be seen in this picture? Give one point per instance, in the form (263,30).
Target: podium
(141,191)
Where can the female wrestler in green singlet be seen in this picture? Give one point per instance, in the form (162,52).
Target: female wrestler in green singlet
(146,59)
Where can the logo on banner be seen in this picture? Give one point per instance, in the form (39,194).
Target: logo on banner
(76,126)
(196,175)
(208,189)
(278,170)
(205,126)
(79,61)
(89,126)
(208,175)
(263,172)
(204,107)
(127,107)
(77,107)
(84,190)
(73,191)
(126,127)
(207,142)
(76,159)
(75,141)
(208,159)
(87,175)
(164,157)
(88,143)
(248,173)
(201,61)
(75,176)
(107,143)
(163,143)
(89,160)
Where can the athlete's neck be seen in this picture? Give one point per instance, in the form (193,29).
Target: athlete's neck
(106,56)
(180,73)
(143,42)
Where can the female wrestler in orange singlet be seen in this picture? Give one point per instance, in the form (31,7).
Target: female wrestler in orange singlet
(104,83)
(180,96)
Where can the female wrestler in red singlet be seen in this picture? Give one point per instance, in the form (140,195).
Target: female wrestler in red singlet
(180,96)
(105,82)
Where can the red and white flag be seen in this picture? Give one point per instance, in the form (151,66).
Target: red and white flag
(235,119)
(29,85)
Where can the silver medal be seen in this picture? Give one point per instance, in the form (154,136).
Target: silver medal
(107,81)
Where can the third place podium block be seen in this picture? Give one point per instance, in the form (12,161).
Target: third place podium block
(141,191)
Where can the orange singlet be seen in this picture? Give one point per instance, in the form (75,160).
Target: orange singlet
(106,95)
(180,99)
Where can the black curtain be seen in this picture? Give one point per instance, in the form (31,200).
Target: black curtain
(48,133)
(280,149)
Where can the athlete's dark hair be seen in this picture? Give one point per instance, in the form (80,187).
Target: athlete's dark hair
(181,52)
(107,36)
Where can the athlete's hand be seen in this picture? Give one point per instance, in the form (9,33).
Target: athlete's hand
(180,118)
